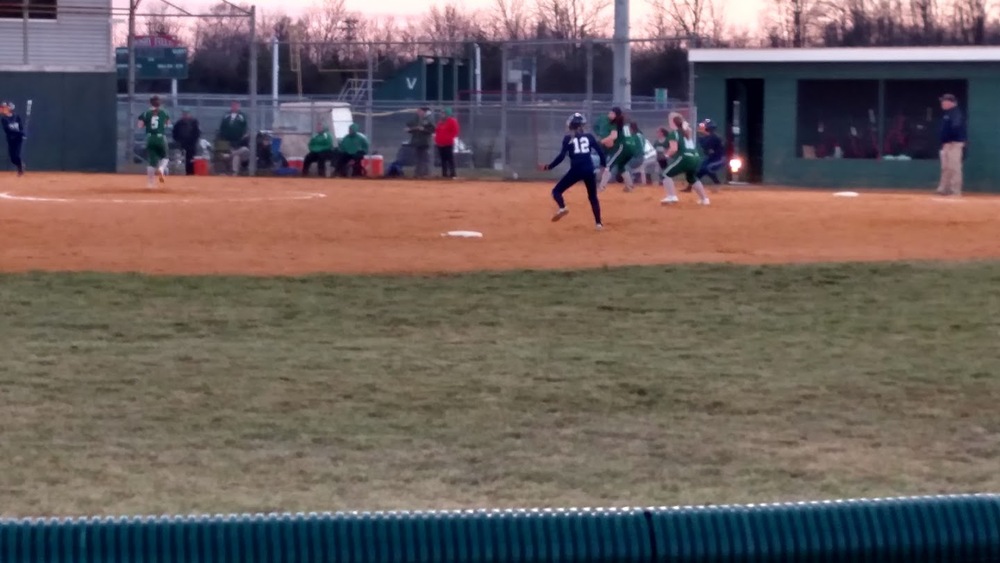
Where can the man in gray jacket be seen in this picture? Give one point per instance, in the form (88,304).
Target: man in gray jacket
(421,130)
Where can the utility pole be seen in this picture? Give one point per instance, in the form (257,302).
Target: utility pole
(622,88)
(130,141)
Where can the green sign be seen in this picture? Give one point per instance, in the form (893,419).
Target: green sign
(662,98)
(154,63)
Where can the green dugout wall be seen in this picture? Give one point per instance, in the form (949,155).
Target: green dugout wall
(73,125)
(428,79)
(792,109)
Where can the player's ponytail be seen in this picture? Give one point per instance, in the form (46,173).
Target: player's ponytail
(683,126)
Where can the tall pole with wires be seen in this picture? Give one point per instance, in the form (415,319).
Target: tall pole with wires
(130,141)
(253,92)
(622,88)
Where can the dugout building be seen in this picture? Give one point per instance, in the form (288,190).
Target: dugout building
(59,55)
(850,117)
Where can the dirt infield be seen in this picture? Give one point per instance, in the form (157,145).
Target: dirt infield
(294,226)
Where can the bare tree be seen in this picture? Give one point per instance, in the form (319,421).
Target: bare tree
(794,23)
(222,49)
(325,21)
(692,18)
(572,19)
(384,36)
(924,16)
(509,19)
(968,21)
(160,21)
(331,33)
(449,27)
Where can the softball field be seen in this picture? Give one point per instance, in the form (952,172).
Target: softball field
(222,225)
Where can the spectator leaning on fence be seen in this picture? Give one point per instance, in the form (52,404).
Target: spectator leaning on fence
(186,134)
(320,151)
(353,148)
(445,135)
(235,131)
(953,136)
(421,129)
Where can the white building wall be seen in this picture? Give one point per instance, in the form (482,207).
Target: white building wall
(79,39)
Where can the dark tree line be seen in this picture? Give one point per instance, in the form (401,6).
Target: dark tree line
(329,44)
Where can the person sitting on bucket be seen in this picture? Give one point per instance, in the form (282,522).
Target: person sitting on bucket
(320,151)
(352,150)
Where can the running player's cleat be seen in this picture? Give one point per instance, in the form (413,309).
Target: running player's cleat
(669,200)
(560,214)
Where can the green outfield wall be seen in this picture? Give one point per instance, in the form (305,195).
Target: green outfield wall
(73,120)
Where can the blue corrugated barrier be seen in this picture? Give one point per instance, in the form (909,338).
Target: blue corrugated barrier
(952,529)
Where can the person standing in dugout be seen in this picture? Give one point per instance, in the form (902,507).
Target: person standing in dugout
(187,133)
(14,130)
(235,130)
(953,138)
(445,135)
(421,129)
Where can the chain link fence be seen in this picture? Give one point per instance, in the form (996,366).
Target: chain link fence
(155,48)
(486,147)
(509,123)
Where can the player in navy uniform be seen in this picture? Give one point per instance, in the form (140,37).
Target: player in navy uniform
(578,146)
(13,128)
(711,147)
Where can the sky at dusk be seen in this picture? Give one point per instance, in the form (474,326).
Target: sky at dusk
(739,13)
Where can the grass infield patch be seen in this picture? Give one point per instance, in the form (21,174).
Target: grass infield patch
(130,394)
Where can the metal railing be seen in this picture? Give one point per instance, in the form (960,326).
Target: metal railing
(952,529)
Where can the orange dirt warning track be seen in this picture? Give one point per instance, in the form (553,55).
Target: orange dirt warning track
(295,226)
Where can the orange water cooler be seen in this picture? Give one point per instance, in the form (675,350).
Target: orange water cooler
(200,164)
(374,166)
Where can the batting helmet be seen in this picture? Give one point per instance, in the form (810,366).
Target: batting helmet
(576,121)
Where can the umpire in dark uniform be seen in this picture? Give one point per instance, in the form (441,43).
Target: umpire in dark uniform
(13,129)
(187,132)
(953,137)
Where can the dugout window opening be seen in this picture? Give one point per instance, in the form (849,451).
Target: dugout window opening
(838,119)
(37,9)
(744,135)
(913,116)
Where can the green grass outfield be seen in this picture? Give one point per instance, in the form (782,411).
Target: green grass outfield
(129,394)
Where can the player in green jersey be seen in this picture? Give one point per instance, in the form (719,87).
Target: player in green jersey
(682,158)
(642,161)
(155,121)
(622,145)
(602,127)
(661,144)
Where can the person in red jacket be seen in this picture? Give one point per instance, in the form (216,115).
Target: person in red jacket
(445,135)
